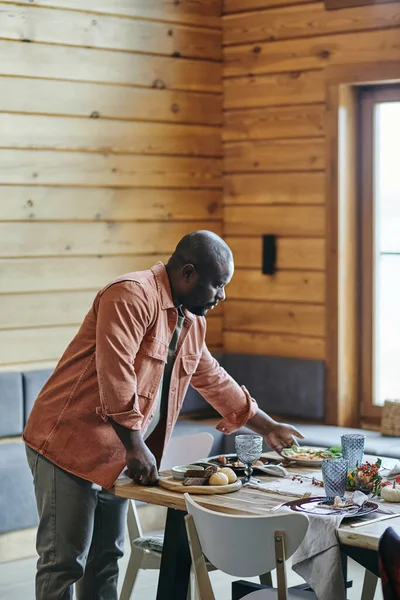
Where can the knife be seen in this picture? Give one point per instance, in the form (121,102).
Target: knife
(371,521)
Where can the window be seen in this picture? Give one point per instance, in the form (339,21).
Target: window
(379,206)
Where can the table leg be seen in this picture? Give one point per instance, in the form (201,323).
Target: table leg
(366,558)
(369,586)
(174,576)
(343,558)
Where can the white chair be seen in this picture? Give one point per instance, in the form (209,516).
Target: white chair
(146,550)
(244,546)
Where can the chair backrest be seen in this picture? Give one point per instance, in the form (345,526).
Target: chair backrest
(389,564)
(242,545)
(185,449)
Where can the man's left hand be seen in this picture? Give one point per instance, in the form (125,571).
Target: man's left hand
(282,436)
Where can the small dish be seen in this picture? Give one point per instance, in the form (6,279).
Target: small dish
(313,506)
(179,471)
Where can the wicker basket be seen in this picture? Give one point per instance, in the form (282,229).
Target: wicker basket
(390,424)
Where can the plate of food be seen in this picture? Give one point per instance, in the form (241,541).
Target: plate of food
(323,507)
(231,461)
(311,456)
(205,480)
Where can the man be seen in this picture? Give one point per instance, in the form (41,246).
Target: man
(112,403)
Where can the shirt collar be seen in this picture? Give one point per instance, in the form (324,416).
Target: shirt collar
(164,289)
(163,285)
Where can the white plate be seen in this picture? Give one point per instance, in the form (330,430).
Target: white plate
(306,462)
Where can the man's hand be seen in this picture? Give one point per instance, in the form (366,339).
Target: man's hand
(282,436)
(277,435)
(142,466)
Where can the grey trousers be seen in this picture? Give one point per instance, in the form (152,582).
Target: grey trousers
(80,535)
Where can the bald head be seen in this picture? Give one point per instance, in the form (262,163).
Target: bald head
(203,248)
(199,269)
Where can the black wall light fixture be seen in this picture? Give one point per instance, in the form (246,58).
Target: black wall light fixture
(269,254)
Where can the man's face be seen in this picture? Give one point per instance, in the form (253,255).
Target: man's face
(202,292)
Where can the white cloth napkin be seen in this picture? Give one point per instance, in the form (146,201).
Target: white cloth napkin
(394,471)
(274,470)
(317,560)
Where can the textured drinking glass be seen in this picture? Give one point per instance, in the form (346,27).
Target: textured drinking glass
(248,450)
(334,474)
(353,449)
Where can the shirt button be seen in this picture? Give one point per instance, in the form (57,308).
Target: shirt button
(222,428)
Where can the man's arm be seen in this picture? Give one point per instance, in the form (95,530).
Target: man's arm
(236,406)
(277,435)
(122,320)
(141,463)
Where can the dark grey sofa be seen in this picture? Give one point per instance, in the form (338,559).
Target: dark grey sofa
(288,387)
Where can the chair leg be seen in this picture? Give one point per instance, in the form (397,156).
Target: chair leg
(266,579)
(192,588)
(369,586)
(134,564)
(190,596)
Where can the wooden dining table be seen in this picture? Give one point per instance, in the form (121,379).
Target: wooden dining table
(361,544)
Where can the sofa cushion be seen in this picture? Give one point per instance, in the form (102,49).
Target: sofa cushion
(282,386)
(329,435)
(17,499)
(194,402)
(33,381)
(11,404)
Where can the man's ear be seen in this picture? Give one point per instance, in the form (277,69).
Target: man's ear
(188,272)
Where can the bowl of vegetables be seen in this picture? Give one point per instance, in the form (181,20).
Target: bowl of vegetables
(366,478)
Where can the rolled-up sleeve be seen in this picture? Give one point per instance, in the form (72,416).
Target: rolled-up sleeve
(232,401)
(122,320)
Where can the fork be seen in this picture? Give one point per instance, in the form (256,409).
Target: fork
(278,506)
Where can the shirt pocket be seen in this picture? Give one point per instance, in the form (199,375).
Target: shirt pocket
(190,363)
(149,366)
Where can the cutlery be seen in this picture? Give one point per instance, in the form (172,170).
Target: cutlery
(372,521)
(385,511)
(278,506)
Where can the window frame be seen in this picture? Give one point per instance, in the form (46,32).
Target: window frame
(369,97)
(342,385)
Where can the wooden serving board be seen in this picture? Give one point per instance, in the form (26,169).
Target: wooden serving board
(169,483)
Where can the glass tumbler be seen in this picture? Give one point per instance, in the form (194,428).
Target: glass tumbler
(334,475)
(353,449)
(248,450)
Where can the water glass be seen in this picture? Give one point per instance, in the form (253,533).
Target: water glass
(248,450)
(353,449)
(334,475)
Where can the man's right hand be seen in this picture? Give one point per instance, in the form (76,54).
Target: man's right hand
(142,466)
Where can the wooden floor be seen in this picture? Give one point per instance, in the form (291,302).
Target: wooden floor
(17,581)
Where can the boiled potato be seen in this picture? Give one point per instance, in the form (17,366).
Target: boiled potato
(231,475)
(218,479)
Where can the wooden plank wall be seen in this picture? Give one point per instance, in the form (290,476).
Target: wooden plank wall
(110,151)
(275,53)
